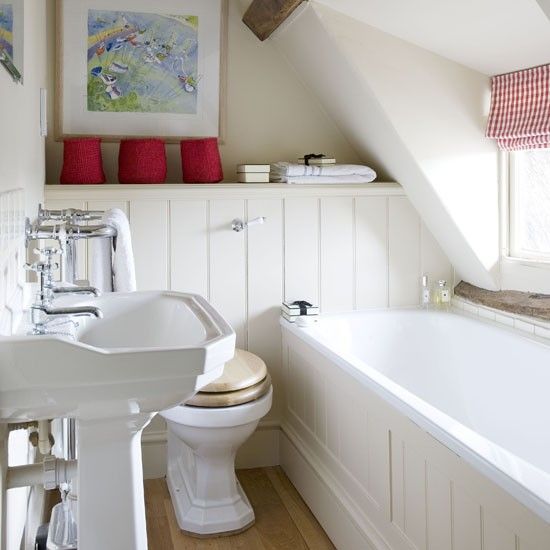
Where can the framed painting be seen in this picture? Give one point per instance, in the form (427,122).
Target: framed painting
(11,37)
(141,68)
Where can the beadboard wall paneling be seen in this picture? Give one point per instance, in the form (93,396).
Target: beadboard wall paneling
(345,247)
(12,258)
(301,242)
(150,224)
(188,239)
(265,289)
(227,265)
(337,246)
(371,251)
(404,250)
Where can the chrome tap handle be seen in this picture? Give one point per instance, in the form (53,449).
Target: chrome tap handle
(45,271)
(41,267)
(48,253)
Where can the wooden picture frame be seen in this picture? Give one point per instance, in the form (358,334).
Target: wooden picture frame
(139,42)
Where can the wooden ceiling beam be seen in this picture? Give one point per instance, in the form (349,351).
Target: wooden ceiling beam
(264,16)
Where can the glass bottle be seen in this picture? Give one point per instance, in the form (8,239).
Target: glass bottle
(442,295)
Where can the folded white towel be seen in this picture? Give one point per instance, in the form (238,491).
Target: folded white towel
(282,171)
(114,269)
(328,180)
(100,272)
(124,267)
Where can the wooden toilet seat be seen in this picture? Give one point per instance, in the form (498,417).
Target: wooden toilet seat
(244,379)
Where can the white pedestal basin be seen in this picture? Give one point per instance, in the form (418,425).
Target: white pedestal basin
(151,351)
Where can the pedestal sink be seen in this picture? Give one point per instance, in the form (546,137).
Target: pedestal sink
(151,351)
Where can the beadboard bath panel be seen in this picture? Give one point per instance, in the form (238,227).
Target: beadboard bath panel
(377,481)
(343,247)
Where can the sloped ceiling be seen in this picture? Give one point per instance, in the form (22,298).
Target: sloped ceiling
(414,115)
(545,5)
(490,36)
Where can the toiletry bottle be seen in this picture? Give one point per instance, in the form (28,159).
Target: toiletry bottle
(442,297)
(426,294)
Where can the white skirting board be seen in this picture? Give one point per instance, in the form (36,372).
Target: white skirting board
(260,451)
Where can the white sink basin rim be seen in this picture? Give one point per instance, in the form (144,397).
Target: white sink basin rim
(150,351)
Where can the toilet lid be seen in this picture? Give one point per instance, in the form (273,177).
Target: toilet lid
(243,371)
(230,398)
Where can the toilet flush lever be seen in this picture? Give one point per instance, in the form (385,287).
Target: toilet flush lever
(239,225)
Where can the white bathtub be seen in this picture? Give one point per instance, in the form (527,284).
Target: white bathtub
(481,390)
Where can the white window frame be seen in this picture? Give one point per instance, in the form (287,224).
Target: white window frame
(512,250)
(527,275)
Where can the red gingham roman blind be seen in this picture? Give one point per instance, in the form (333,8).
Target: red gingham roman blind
(520,109)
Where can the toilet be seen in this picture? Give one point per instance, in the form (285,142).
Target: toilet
(204,436)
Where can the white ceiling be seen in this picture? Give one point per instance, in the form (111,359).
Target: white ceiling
(491,36)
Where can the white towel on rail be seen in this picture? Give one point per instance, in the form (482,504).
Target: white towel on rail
(100,270)
(113,268)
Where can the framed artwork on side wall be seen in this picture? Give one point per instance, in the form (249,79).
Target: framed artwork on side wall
(141,68)
(12,37)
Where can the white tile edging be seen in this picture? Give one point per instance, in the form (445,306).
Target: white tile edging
(520,323)
(12,258)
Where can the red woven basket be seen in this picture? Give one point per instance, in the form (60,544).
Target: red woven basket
(142,161)
(200,161)
(82,162)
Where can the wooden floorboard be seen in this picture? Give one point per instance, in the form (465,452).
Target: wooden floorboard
(283,520)
(305,521)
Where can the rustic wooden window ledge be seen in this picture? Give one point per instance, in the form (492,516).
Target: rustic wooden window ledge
(511,301)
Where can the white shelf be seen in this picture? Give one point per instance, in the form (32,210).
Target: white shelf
(198,190)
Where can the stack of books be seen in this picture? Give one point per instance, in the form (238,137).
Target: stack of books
(253,173)
(292,310)
(317,162)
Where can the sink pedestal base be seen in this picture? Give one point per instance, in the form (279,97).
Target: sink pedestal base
(111,507)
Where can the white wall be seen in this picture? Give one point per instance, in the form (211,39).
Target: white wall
(342,247)
(22,156)
(418,117)
(22,165)
(270,114)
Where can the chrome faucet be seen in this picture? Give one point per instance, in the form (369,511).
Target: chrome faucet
(43,315)
(86,290)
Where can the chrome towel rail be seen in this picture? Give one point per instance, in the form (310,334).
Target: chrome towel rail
(73,215)
(69,231)
(67,227)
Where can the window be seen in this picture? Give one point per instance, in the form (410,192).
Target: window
(530,204)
